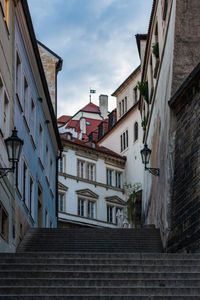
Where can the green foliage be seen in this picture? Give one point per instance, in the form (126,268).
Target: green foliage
(143,88)
(155,50)
(144,123)
(131,191)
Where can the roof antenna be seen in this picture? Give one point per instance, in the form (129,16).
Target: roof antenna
(92,92)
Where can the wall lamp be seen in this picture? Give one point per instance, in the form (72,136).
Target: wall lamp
(146,153)
(14,148)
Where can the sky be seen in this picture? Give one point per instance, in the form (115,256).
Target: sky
(95,39)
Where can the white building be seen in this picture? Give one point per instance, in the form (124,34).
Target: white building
(90,185)
(125,137)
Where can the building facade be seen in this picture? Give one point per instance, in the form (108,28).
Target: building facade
(7,202)
(171,54)
(91,190)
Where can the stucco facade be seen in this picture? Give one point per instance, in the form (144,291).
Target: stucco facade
(36,186)
(7,202)
(79,185)
(175,27)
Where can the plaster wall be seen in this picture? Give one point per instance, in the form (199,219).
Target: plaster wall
(133,169)
(70,180)
(41,173)
(128,92)
(6,121)
(157,190)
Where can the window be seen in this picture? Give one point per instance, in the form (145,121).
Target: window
(3,222)
(118,179)
(91,210)
(47,160)
(81,207)
(61,206)
(91,175)
(86,170)
(135,95)
(25,104)
(165,9)
(51,172)
(41,142)
(32,119)
(81,169)
(135,131)
(31,204)
(124,140)
(5,114)
(46,218)
(109,177)
(100,130)
(110,210)
(120,109)
(25,184)
(18,76)
(61,164)
(125,104)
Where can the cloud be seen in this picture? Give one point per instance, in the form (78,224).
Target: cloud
(96,40)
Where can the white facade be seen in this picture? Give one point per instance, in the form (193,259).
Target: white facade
(87,197)
(123,138)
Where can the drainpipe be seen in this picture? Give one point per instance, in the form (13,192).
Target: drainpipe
(57,158)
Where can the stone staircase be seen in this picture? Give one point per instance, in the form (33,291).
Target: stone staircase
(97,264)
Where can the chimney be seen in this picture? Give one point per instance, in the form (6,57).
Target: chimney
(83,125)
(103,106)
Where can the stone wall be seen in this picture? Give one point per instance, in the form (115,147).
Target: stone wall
(185,225)
(186,40)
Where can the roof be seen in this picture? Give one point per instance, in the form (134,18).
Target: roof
(140,37)
(195,73)
(91,107)
(41,70)
(89,145)
(60,61)
(91,125)
(63,119)
(125,82)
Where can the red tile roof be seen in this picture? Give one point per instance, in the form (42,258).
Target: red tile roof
(91,107)
(89,145)
(63,119)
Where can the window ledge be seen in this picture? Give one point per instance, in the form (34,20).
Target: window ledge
(41,164)
(19,103)
(32,142)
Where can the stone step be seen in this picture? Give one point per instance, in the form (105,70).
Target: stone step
(103,291)
(81,282)
(97,297)
(102,267)
(99,255)
(96,261)
(98,274)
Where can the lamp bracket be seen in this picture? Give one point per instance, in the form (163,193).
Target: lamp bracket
(153,171)
(4,171)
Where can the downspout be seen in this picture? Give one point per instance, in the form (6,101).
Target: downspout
(57,158)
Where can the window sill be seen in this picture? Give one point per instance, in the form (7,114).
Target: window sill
(26,124)
(41,164)
(19,103)
(32,142)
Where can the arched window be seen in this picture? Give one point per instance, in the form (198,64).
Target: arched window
(135,131)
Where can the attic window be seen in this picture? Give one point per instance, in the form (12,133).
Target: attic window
(88,123)
(165,9)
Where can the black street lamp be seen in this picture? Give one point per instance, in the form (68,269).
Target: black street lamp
(14,148)
(145,154)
